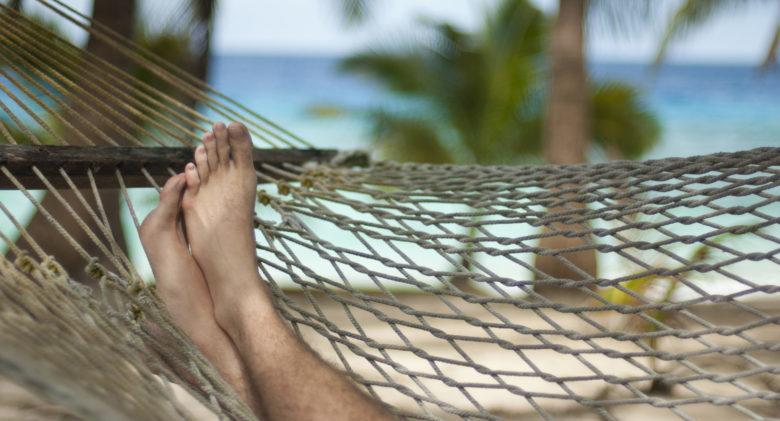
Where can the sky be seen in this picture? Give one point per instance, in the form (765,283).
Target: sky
(315,27)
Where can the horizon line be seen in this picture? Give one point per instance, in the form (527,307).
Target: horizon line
(334,55)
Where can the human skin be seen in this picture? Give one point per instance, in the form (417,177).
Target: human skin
(181,286)
(282,378)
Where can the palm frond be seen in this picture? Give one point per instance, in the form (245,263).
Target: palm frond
(770,58)
(409,139)
(621,122)
(398,72)
(354,12)
(517,28)
(691,14)
(621,17)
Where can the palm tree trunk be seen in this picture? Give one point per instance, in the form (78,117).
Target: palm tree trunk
(566,124)
(199,65)
(566,129)
(118,15)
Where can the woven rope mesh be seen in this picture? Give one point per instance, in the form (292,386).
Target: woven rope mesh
(702,325)
(611,291)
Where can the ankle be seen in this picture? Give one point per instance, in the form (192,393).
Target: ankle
(244,311)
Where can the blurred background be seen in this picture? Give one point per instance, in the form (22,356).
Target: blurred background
(469,81)
(476,82)
(481,81)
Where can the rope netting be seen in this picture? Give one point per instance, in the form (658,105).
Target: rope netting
(623,290)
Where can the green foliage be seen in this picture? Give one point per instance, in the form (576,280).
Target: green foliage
(20,59)
(401,135)
(473,92)
(480,98)
(621,125)
(173,45)
(25,137)
(183,41)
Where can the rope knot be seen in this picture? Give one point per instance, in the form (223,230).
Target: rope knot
(26,264)
(95,270)
(264,198)
(53,267)
(283,188)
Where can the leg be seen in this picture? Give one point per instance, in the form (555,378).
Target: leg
(292,381)
(182,287)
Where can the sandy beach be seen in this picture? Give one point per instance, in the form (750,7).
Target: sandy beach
(544,364)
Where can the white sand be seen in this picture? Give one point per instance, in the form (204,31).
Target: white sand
(17,404)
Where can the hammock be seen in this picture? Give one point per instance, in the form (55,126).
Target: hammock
(436,287)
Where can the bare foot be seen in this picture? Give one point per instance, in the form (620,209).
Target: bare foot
(292,382)
(182,287)
(218,207)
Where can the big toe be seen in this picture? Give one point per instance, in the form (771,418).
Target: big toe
(240,144)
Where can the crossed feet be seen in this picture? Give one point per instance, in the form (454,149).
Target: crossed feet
(209,281)
(205,276)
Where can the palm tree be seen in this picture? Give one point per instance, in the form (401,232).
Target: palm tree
(479,98)
(565,139)
(567,131)
(567,143)
(566,121)
(201,26)
(476,95)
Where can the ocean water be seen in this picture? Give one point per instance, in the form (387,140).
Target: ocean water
(702,109)
(706,109)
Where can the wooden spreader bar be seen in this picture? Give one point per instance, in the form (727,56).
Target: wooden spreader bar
(103,160)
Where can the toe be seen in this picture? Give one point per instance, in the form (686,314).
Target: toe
(240,145)
(223,147)
(164,216)
(202,164)
(212,155)
(192,178)
(170,195)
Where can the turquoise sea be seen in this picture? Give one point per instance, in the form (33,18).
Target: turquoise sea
(702,109)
